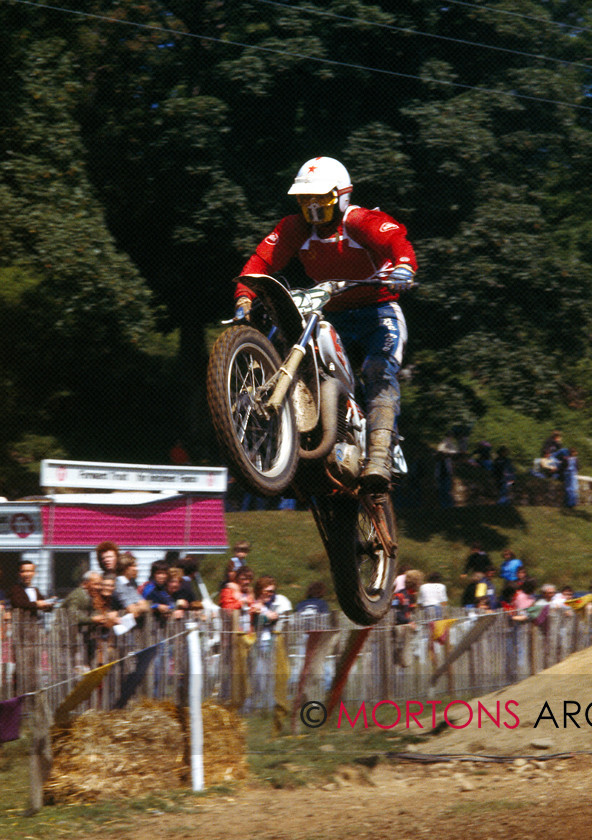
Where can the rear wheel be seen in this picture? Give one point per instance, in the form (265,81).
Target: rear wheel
(263,451)
(362,549)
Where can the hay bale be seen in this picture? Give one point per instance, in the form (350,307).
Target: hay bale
(225,756)
(141,749)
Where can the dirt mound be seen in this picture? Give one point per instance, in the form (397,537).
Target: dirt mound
(548,713)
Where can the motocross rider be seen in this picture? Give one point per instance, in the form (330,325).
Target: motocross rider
(336,240)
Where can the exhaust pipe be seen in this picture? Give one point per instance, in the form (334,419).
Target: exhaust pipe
(330,392)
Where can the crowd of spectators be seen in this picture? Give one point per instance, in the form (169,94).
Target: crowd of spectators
(487,588)
(259,605)
(555,461)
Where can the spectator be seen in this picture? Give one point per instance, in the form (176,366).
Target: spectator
(504,475)
(524,598)
(552,444)
(540,608)
(154,588)
(178,594)
(404,604)
(477,561)
(165,595)
(477,588)
(404,601)
(433,596)
(559,598)
(480,606)
(107,556)
(238,595)
(238,559)
(569,474)
(506,597)
(490,574)
(233,594)
(80,603)
(239,556)
(24,596)
(553,457)
(548,591)
(314,602)
(510,566)
(107,605)
(481,457)
(194,585)
(548,466)
(126,587)
(269,606)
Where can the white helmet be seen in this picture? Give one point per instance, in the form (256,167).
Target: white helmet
(321,183)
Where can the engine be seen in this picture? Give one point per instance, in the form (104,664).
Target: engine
(344,462)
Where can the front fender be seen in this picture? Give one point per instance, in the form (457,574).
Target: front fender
(278,302)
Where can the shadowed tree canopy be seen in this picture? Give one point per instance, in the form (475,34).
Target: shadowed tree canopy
(147,147)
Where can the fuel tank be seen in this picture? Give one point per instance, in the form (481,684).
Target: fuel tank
(332,354)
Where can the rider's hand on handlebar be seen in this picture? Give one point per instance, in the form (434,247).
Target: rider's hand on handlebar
(402,273)
(242,309)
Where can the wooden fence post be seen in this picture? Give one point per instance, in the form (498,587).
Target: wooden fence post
(41,755)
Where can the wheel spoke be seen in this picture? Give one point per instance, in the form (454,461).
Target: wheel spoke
(260,438)
(372,562)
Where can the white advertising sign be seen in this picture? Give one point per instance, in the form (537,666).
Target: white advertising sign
(98,476)
(20,526)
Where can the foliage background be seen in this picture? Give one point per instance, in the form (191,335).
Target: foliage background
(146,147)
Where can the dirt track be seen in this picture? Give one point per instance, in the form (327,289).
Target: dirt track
(525,796)
(407,802)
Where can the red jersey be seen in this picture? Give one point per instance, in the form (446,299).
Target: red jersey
(364,241)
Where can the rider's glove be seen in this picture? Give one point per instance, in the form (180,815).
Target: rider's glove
(402,273)
(242,308)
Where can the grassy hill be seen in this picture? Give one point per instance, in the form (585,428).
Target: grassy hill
(554,544)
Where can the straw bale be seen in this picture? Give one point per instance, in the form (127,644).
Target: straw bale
(225,755)
(141,749)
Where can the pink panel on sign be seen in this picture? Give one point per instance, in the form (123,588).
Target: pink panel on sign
(186,521)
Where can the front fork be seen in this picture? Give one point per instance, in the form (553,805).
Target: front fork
(285,375)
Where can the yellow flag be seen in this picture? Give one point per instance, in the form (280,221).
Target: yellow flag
(81,691)
(282,674)
(579,603)
(440,627)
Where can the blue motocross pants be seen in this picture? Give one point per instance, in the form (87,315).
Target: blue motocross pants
(375,337)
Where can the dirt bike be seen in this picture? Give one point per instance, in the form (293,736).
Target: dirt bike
(281,392)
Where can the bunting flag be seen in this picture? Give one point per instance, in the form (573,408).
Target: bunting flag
(10,719)
(477,628)
(134,678)
(579,603)
(81,691)
(240,684)
(438,633)
(439,629)
(282,674)
(319,643)
(353,646)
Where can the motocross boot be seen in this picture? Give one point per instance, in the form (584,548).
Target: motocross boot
(376,474)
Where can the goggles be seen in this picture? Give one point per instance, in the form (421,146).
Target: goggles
(318,209)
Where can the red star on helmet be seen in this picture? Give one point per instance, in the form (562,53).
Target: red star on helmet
(311,168)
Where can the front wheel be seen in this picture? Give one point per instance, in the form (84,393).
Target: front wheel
(263,451)
(362,549)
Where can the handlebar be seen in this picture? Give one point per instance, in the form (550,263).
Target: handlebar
(335,287)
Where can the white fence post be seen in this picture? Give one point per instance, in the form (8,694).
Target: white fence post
(195,701)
